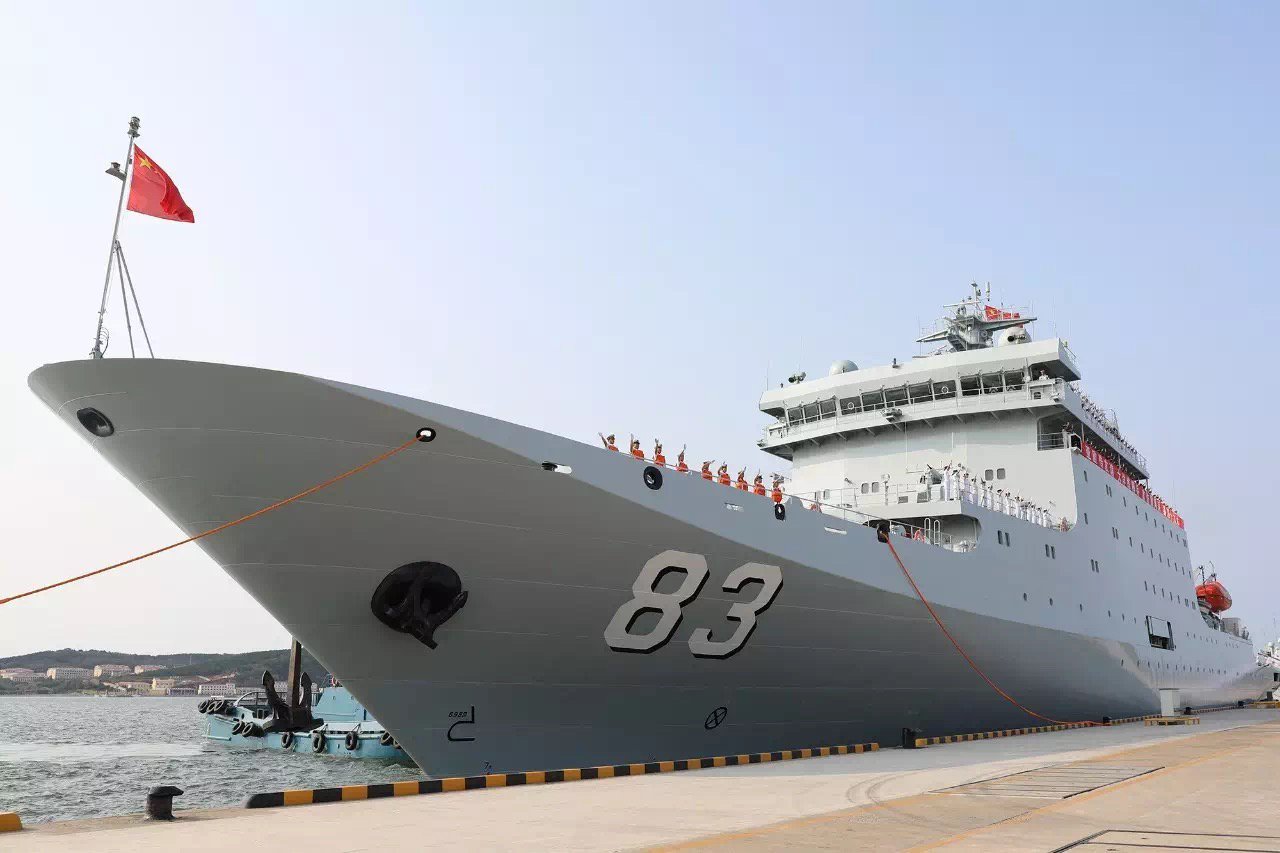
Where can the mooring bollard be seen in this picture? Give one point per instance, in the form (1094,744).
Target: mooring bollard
(160,802)
(909,736)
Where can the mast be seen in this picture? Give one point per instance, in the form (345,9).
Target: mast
(134,124)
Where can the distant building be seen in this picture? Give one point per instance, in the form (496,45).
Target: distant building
(68,672)
(163,683)
(146,667)
(216,690)
(109,669)
(20,674)
(135,686)
(180,691)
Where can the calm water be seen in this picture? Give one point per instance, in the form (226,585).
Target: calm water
(64,757)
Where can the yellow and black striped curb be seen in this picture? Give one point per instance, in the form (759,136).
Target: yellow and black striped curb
(1173,721)
(10,822)
(536,777)
(934,741)
(1147,719)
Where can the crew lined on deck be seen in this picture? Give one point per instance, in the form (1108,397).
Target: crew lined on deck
(720,475)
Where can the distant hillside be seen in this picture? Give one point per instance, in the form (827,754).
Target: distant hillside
(244,669)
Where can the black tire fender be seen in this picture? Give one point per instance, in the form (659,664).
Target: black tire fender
(286,740)
(317,741)
(352,740)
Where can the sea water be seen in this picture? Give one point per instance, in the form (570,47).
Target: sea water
(67,757)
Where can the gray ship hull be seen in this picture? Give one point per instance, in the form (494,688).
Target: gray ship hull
(523,677)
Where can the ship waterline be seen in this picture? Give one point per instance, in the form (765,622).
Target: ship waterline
(566,568)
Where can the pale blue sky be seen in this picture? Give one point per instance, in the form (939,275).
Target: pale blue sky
(621,217)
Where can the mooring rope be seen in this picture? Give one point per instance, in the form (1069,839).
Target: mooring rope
(886,537)
(364,466)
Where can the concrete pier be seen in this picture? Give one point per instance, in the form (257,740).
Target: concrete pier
(1127,788)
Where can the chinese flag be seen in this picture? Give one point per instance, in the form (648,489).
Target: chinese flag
(152,191)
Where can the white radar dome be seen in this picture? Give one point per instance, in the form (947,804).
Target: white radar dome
(844,365)
(1015,335)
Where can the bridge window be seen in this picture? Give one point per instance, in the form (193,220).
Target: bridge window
(988,475)
(999,473)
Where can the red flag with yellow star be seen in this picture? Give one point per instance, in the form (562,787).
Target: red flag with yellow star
(154,193)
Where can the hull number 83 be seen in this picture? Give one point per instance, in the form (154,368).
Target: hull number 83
(669,606)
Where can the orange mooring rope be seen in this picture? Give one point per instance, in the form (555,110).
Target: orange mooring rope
(221,527)
(887,537)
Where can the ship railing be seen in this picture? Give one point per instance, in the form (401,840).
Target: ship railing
(1051,441)
(846,510)
(830,411)
(975,492)
(1101,423)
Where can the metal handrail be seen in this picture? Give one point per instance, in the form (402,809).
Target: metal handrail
(954,397)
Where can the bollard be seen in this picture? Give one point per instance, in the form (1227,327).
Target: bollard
(909,736)
(160,802)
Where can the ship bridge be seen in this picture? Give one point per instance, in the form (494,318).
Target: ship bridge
(960,386)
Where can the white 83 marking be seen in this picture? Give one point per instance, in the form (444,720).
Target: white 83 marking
(670,605)
(744,613)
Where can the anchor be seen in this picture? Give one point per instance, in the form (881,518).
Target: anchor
(294,715)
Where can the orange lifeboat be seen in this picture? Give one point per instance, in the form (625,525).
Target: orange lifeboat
(1214,594)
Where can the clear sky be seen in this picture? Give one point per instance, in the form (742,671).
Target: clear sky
(608,216)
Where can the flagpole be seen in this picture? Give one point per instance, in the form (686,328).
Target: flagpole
(134,124)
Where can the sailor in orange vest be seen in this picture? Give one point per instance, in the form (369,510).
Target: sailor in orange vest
(777,489)
(608,442)
(658,458)
(635,448)
(742,481)
(681,467)
(758,486)
(722,475)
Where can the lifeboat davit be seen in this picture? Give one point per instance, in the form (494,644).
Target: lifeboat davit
(1214,594)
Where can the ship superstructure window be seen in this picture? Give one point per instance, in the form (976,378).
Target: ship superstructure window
(1109,492)
(999,473)
(1115,534)
(988,475)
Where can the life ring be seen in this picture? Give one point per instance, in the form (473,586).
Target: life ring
(386,739)
(286,740)
(352,740)
(317,741)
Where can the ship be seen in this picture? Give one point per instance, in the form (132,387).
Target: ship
(337,725)
(967,542)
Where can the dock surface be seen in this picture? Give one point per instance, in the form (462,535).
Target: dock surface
(1129,789)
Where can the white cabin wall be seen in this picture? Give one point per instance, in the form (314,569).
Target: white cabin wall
(903,454)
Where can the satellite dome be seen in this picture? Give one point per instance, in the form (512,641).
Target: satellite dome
(1014,335)
(844,365)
